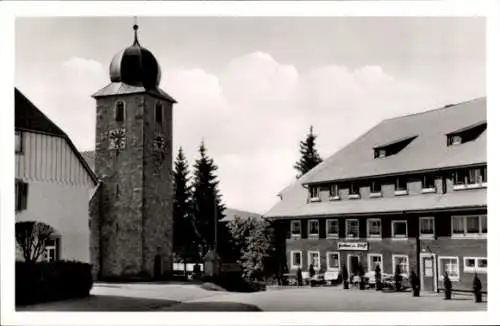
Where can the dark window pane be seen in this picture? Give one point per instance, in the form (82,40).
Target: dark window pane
(473,224)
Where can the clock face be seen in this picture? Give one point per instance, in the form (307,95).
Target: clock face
(117,139)
(159,144)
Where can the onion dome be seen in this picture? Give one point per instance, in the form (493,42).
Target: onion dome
(135,66)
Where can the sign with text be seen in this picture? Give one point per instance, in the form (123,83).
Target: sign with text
(352,245)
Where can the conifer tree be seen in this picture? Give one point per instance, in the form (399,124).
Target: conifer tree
(207,203)
(184,233)
(309,156)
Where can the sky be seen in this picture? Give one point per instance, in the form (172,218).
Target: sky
(250,87)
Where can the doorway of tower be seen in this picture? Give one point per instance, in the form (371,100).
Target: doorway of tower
(428,274)
(352,265)
(157,267)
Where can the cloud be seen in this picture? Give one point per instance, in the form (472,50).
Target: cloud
(251,115)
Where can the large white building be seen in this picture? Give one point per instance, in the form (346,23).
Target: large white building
(53,182)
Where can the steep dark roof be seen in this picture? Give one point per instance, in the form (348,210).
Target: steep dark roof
(29,118)
(119,88)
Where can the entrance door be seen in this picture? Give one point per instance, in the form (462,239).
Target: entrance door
(353,264)
(428,273)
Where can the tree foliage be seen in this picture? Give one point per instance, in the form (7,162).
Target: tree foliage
(184,233)
(309,156)
(31,236)
(253,237)
(207,202)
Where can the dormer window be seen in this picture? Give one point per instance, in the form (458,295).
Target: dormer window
(314,193)
(119,111)
(354,190)
(334,192)
(392,148)
(466,134)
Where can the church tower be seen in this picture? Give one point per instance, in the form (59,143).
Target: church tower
(133,159)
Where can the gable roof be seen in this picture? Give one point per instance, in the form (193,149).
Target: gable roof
(29,118)
(427,151)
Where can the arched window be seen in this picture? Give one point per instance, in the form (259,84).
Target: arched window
(159,112)
(120,111)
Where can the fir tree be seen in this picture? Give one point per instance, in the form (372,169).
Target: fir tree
(207,202)
(309,156)
(184,235)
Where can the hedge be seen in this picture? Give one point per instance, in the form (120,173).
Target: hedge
(51,281)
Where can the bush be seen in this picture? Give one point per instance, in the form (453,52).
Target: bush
(51,281)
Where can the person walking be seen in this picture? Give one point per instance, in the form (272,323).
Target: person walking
(477,287)
(447,286)
(415,284)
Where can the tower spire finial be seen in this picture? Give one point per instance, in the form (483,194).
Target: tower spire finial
(136,27)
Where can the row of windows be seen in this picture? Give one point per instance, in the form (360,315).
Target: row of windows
(463,178)
(120,111)
(461,226)
(446,264)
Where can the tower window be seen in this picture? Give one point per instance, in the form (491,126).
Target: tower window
(120,111)
(159,112)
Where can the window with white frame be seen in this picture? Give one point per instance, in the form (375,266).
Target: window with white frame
(373,261)
(448,265)
(332,228)
(375,187)
(354,190)
(428,183)
(50,253)
(352,228)
(19,142)
(402,262)
(374,228)
(333,260)
(401,185)
(427,227)
(470,178)
(475,264)
(313,228)
(314,193)
(313,259)
(296,258)
(468,226)
(399,229)
(295,227)
(334,191)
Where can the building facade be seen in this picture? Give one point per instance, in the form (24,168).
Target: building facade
(53,183)
(409,192)
(132,211)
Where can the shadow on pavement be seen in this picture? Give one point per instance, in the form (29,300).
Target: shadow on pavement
(101,303)
(213,306)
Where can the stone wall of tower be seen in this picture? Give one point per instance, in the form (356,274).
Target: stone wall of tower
(158,190)
(121,223)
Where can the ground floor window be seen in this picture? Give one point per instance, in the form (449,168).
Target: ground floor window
(51,250)
(373,261)
(314,259)
(475,264)
(449,265)
(333,260)
(296,259)
(402,262)
(468,226)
